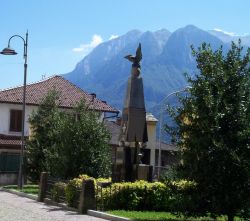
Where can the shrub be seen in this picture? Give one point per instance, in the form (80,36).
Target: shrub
(58,190)
(103,180)
(139,195)
(73,189)
(142,196)
(72,192)
(183,194)
(84,177)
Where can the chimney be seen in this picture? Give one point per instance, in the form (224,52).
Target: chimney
(93,96)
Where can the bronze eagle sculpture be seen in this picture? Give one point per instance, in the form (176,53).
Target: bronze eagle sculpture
(137,58)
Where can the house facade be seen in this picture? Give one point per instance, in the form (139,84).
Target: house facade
(11,115)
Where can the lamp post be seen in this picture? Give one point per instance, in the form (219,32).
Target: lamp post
(161,119)
(10,51)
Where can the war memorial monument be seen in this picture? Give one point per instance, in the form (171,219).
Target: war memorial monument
(133,133)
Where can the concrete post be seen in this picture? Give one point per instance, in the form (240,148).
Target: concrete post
(151,126)
(42,186)
(87,197)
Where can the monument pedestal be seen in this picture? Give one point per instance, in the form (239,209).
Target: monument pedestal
(143,172)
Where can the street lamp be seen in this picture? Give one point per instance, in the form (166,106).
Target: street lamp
(161,119)
(10,51)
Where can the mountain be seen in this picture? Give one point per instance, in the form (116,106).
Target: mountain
(105,71)
(228,38)
(177,51)
(166,56)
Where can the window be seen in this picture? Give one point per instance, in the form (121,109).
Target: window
(16,120)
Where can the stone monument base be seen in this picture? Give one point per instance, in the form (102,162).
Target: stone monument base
(143,172)
(139,172)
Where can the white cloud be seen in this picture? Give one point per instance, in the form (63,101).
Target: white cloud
(85,48)
(113,37)
(226,32)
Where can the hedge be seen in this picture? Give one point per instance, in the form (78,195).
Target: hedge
(139,195)
(71,190)
(58,191)
(142,196)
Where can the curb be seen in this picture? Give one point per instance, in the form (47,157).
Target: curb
(32,197)
(107,216)
(62,205)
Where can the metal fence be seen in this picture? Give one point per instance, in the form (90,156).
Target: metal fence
(106,196)
(101,192)
(109,197)
(53,190)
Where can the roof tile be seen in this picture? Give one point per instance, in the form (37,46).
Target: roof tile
(69,94)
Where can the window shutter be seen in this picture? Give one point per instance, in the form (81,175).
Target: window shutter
(19,121)
(16,120)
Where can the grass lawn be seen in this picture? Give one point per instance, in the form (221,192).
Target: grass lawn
(30,189)
(151,216)
(159,216)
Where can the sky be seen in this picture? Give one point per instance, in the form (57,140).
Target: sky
(62,32)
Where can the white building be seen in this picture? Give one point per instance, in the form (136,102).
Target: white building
(11,112)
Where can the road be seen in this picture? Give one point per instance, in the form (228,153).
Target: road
(16,208)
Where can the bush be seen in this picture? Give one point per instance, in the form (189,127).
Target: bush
(72,192)
(73,189)
(142,196)
(183,195)
(139,195)
(58,190)
(103,180)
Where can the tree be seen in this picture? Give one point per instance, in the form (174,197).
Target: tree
(82,145)
(67,143)
(213,131)
(42,123)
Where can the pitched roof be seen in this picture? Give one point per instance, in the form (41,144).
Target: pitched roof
(69,94)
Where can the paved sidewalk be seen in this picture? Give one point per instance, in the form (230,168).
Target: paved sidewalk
(16,208)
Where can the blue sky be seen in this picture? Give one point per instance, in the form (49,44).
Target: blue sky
(62,32)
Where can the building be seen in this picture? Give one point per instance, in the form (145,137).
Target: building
(11,113)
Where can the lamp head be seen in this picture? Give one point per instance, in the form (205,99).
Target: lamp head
(8,51)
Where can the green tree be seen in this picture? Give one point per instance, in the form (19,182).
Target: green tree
(82,145)
(42,123)
(67,143)
(213,131)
